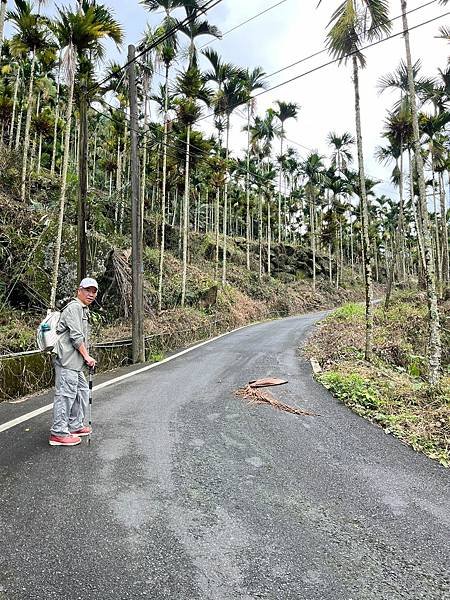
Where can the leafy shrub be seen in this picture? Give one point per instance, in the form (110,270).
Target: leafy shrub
(349,312)
(352,389)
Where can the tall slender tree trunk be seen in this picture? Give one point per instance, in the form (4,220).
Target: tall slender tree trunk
(144,155)
(26,141)
(260,233)
(19,127)
(445,249)
(125,171)
(38,170)
(94,158)
(185,217)
(13,116)
(401,219)
(163,193)
(82,221)
(437,248)
(269,238)
(312,227)
(225,205)
(35,136)
(367,253)
(247,185)
(435,349)
(62,196)
(280,184)
(55,127)
(2,23)
(217,228)
(118,184)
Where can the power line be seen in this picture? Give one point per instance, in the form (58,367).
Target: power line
(340,59)
(263,12)
(159,40)
(304,59)
(323,65)
(311,71)
(157,72)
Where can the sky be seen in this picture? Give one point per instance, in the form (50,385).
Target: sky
(291,31)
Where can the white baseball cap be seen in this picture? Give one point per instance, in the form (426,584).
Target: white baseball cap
(88,282)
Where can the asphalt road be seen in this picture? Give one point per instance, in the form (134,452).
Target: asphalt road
(187,493)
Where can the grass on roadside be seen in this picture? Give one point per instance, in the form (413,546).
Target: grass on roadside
(391,391)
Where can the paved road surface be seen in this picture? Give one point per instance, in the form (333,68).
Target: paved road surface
(187,493)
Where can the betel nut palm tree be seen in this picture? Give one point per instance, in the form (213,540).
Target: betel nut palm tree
(353,23)
(32,35)
(233,96)
(434,345)
(80,32)
(191,88)
(165,53)
(285,111)
(254,80)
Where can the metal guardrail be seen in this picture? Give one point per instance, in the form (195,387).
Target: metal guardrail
(24,373)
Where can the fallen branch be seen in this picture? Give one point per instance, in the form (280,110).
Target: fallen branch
(258,396)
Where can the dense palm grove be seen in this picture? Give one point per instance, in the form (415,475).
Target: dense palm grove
(54,72)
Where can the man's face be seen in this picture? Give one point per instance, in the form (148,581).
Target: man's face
(87,295)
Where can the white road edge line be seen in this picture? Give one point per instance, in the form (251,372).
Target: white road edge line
(39,411)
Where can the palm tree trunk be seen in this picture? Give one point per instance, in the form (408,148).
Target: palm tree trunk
(35,137)
(269,237)
(26,141)
(185,216)
(125,163)
(352,247)
(13,116)
(437,248)
(391,277)
(445,249)
(216,225)
(435,350)
(280,184)
(312,227)
(62,196)
(260,233)
(118,184)
(39,155)
(367,254)
(55,128)
(401,220)
(94,158)
(247,185)
(225,204)
(144,155)
(330,269)
(2,23)
(163,194)
(19,127)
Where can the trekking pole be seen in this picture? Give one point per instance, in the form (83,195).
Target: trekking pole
(91,371)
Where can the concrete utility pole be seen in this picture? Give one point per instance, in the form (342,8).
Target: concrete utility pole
(136,218)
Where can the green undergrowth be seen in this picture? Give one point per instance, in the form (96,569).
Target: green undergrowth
(392,390)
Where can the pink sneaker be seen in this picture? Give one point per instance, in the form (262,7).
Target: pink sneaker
(64,440)
(82,432)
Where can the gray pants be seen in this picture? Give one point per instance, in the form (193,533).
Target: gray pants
(71,400)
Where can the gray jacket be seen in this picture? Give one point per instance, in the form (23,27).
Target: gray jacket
(73,330)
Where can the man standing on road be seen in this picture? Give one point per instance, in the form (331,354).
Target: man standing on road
(71,388)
